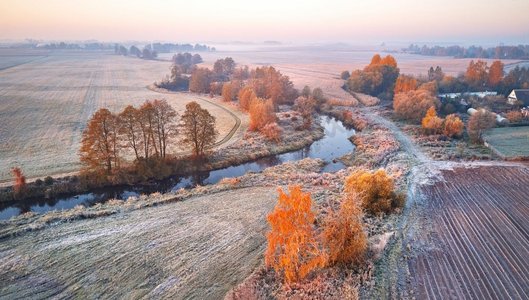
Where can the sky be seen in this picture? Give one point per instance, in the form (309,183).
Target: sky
(485,21)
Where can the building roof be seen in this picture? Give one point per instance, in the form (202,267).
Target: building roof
(522,95)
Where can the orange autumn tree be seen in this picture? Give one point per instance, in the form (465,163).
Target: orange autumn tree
(20,182)
(431,123)
(343,233)
(453,126)
(495,73)
(293,249)
(246,95)
(261,113)
(404,84)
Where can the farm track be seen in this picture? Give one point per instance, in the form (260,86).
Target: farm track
(237,120)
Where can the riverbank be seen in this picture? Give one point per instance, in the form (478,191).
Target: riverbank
(250,148)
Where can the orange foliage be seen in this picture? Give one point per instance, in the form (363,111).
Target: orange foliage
(343,234)
(261,113)
(453,126)
(227,92)
(430,86)
(245,96)
(476,74)
(514,116)
(272,132)
(389,61)
(292,244)
(376,191)
(495,73)
(413,105)
(404,84)
(431,123)
(20,181)
(479,122)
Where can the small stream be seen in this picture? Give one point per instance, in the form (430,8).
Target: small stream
(334,144)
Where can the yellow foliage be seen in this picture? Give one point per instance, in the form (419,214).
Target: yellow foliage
(376,191)
(431,123)
(292,245)
(453,126)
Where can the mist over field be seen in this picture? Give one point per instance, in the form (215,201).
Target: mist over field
(234,149)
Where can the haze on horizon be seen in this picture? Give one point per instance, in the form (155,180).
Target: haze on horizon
(477,21)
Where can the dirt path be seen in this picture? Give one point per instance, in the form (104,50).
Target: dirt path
(198,248)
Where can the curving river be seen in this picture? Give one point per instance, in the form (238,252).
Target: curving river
(334,144)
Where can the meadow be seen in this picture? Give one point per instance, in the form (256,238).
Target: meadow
(46,101)
(509,142)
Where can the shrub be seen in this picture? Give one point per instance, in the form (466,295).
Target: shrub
(227,92)
(246,95)
(343,233)
(292,246)
(453,126)
(376,190)
(514,116)
(345,75)
(431,123)
(272,132)
(39,182)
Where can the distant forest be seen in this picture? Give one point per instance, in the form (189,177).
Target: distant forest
(498,52)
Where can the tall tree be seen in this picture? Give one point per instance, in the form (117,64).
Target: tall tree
(476,74)
(495,73)
(130,129)
(99,144)
(198,129)
(165,124)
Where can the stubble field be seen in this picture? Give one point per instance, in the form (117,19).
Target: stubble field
(46,102)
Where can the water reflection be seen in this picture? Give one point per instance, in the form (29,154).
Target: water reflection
(334,144)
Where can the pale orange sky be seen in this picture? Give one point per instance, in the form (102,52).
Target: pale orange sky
(285,20)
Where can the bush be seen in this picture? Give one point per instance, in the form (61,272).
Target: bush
(292,246)
(453,126)
(345,75)
(39,182)
(343,232)
(376,190)
(514,116)
(431,123)
(272,132)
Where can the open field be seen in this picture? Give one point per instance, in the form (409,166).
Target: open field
(198,248)
(473,241)
(45,104)
(509,142)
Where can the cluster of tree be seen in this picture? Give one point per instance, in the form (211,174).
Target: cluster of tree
(296,247)
(499,52)
(376,79)
(144,132)
(182,63)
(146,53)
(412,104)
(170,47)
(451,126)
(479,76)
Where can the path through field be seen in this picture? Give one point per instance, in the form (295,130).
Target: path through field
(198,248)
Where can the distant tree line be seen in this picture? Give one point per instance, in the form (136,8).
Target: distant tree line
(74,46)
(169,47)
(146,53)
(498,52)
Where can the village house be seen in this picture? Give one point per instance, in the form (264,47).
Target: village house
(519,96)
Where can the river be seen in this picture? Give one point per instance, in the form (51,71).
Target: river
(334,144)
